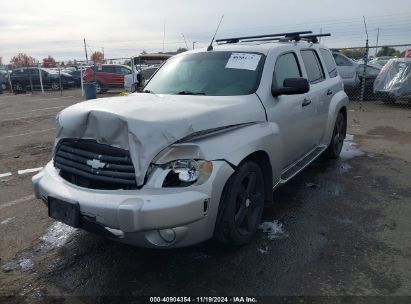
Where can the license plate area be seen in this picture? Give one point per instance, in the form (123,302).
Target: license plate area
(65,212)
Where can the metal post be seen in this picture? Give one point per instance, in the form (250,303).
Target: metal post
(10,84)
(133,73)
(81,81)
(41,79)
(31,80)
(376,45)
(61,88)
(364,72)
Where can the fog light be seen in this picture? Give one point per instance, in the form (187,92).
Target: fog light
(168,235)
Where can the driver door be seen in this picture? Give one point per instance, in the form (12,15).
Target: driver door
(292,113)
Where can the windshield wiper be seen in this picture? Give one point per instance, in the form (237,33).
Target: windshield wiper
(189,93)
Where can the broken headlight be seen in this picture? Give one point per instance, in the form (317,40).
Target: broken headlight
(186,172)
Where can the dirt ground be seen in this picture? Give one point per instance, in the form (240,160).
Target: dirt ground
(342,227)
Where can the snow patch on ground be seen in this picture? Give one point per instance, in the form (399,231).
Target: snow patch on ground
(57,235)
(273,230)
(350,149)
(7,220)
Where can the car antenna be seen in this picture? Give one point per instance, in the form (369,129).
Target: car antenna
(210,47)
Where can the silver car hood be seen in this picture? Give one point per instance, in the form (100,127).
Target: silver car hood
(145,124)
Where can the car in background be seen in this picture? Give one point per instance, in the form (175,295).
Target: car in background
(351,73)
(381,61)
(147,62)
(142,77)
(4,82)
(106,76)
(76,74)
(26,78)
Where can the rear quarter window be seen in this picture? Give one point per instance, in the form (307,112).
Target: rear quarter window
(329,63)
(313,66)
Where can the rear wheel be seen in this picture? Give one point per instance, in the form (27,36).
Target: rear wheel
(17,87)
(99,88)
(55,86)
(340,129)
(241,205)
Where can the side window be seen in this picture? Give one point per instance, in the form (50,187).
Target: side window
(125,71)
(108,69)
(329,63)
(286,66)
(312,66)
(341,60)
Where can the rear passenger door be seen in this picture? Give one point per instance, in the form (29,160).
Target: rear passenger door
(317,96)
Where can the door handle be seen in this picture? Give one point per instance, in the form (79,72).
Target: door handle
(306,102)
(329,92)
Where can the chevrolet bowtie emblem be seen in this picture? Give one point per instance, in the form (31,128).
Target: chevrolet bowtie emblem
(96,163)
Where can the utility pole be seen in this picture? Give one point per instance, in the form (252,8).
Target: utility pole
(376,46)
(102,49)
(164,34)
(194,42)
(364,71)
(185,41)
(85,50)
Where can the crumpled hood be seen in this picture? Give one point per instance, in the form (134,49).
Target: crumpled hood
(145,124)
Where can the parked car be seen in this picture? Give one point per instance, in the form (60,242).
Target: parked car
(147,62)
(348,70)
(76,77)
(394,80)
(22,79)
(352,73)
(380,61)
(4,79)
(107,76)
(199,152)
(142,77)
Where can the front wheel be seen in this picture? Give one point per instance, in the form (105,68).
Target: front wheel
(340,129)
(241,205)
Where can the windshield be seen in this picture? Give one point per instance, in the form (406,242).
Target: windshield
(209,73)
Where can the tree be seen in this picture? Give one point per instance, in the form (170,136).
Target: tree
(23,60)
(49,62)
(143,52)
(181,50)
(354,53)
(389,51)
(97,57)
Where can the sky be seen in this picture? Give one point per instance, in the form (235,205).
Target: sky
(126,27)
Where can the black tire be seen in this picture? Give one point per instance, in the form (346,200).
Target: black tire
(99,88)
(55,86)
(337,140)
(17,87)
(241,205)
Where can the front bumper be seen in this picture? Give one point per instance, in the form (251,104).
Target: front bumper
(138,216)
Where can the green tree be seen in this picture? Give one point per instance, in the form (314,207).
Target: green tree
(389,51)
(354,53)
(181,50)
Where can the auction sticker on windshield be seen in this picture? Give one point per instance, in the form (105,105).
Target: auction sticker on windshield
(244,61)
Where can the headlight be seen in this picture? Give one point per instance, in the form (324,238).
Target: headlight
(186,172)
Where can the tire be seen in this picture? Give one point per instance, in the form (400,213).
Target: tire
(241,205)
(99,88)
(17,87)
(55,86)
(337,140)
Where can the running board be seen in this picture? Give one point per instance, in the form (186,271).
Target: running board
(299,165)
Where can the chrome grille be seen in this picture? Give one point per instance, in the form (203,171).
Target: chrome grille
(89,164)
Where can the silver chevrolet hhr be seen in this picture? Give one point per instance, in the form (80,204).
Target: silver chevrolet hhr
(199,152)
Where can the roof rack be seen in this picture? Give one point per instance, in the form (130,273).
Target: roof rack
(283,37)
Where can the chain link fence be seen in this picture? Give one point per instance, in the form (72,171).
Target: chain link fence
(384,77)
(368,73)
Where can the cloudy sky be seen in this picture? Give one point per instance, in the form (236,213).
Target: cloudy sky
(126,27)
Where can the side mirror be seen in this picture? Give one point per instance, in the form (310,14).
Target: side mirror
(292,86)
(139,78)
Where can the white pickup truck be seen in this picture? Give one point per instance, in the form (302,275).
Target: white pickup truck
(198,154)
